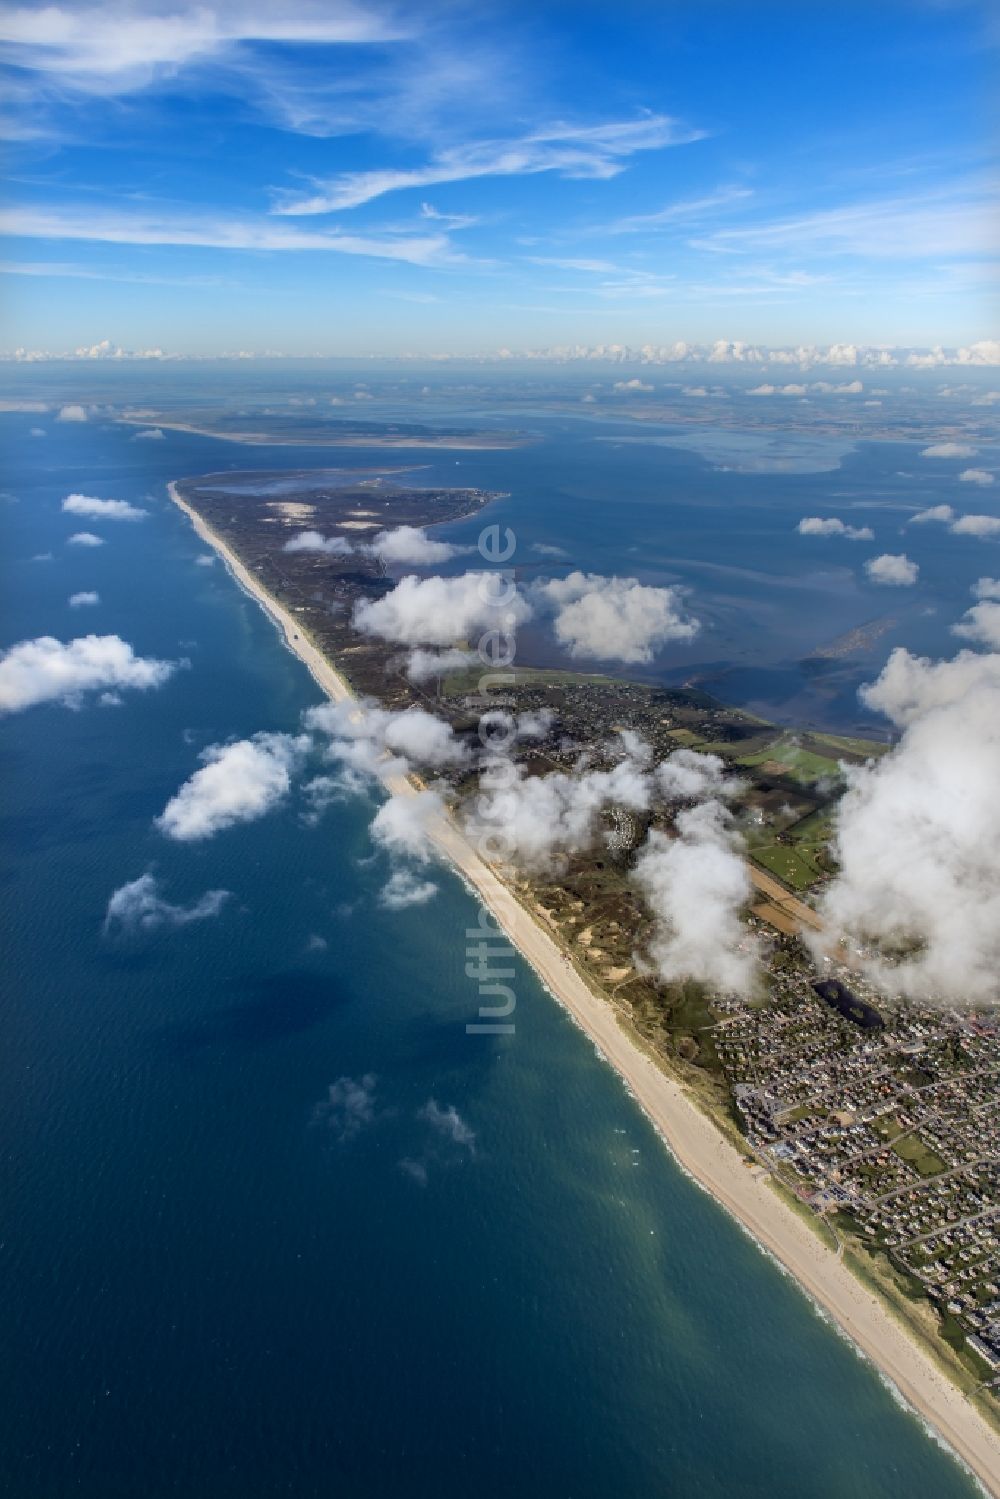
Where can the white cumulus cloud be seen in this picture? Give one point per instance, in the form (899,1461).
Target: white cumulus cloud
(423,737)
(238,782)
(410,545)
(72,413)
(410,734)
(615,619)
(696,885)
(687,775)
(95,509)
(540,820)
(815,525)
(85,599)
(85,539)
(981,624)
(439,611)
(948,450)
(917,833)
(943,513)
(47,670)
(424,666)
(402,824)
(314,541)
(894,569)
(976,476)
(977,525)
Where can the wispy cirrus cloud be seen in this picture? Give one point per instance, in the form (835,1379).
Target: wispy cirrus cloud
(313,68)
(685,211)
(590,267)
(124,48)
(576,151)
(60,270)
(219,233)
(957,220)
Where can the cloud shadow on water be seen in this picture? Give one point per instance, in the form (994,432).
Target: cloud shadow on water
(274,1007)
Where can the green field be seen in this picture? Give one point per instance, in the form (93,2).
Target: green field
(865,748)
(813,830)
(909,1147)
(912,1149)
(796,866)
(460,683)
(801,764)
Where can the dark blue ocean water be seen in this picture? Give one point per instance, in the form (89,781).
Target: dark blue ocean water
(205,1290)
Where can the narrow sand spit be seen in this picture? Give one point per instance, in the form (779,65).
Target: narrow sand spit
(691,1137)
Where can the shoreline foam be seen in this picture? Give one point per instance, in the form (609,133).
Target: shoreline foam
(700,1149)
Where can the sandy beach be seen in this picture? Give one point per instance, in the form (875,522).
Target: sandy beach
(695,1142)
(474,443)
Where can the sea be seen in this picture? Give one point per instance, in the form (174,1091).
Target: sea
(273,1222)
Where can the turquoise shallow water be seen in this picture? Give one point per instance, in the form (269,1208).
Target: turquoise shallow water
(206,1289)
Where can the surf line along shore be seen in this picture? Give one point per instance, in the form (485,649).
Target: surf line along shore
(697,1145)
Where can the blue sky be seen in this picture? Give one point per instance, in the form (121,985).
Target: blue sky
(365,178)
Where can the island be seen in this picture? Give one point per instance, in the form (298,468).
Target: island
(272,429)
(854,1136)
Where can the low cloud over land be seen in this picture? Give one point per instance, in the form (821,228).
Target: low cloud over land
(615,619)
(917,834)
(439,611)
(410,545)
(424,666)
(696,885)
(314,541)
(410,733)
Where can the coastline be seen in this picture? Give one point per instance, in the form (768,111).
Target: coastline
(363,440)
(698,1146)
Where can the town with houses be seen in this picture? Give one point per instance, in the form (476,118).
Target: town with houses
(883,1117)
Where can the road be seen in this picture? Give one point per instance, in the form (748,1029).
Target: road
(795,909)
